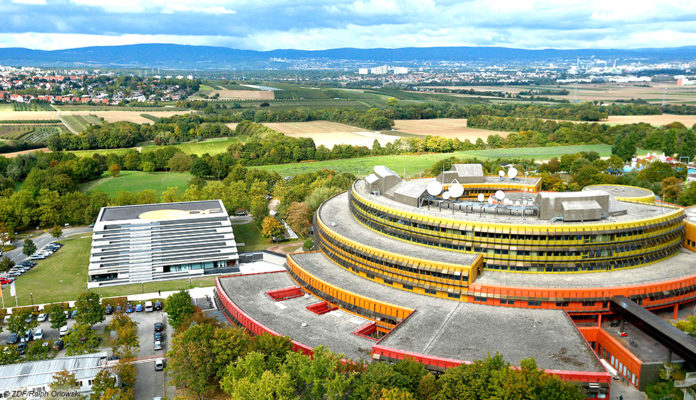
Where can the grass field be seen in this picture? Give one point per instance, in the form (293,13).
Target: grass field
(63,277)
(250,235)
(330,133)
(136,181)
(210,146)
(445,127)
(412,165)
(80,123)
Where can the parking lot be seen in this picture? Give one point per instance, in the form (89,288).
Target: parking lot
(149,383)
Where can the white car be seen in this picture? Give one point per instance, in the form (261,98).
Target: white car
(6,319)
(63,331)
(38,334)
(42,317)
(158,345)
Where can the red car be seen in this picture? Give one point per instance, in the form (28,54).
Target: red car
(5,281)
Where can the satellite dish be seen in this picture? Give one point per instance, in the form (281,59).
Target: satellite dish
(434,188)
(507,201)
(456,190)
(481,197)
(446,195)
(501,173)
(500,195)
(512,172)
(490,200)
(517,202)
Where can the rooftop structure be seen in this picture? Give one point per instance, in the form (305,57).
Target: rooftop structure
(625,193)
(140,243)
(448,272)
(38,375)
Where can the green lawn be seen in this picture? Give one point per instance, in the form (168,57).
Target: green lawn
(136,181)
(250,235)
(412,165)
(210,146)
(63,277)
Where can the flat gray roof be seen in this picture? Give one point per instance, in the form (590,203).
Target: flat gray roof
(40,373)
(620,191)
(646,348)
(132,212)
(336,210)
(464,331)
(635,211)
(679,266)
(332,330)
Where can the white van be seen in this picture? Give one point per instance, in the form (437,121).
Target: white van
(148,306)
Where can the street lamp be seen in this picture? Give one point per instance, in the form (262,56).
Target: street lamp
(31,295)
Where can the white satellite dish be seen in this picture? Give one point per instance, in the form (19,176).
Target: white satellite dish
(434,188)
(446,195)
(490,200)
(512,172)
(481,197)
(507,201)
(501,173)
(517,202)
(456,190)
(500,195)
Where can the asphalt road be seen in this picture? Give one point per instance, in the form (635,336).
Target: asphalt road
(41,241)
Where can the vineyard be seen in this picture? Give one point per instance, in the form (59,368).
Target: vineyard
(32,107)
(79,123)
(29,133)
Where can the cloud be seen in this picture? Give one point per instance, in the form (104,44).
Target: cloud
(319,24)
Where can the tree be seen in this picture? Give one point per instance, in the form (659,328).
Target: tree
(102,382)
(82,339)
(670,188)
(6,264)
(56,314)
(114,170)
(299,218)
(90,310)
(189,360)
(228,345)
(37,351)
(29,247)
(56,231)
(124,335)
(147,166)
(146,196)
(18,321)
(272,228)
(64,386)
(258,209)
(178,306)
(180,162)
(170,195)
(6,235)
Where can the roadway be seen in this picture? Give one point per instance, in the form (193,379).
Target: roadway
(41,241)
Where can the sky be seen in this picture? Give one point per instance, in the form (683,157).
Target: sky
(323,24)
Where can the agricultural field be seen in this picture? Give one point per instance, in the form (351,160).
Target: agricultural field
(89,107)
(445,127)
(80,123)
(658,120)
(109,116)
(210,146)
(8,114)
(226,94)
(16,153)
(668,93)
(330,133)
(31,107)
(29,132)
(136,181)
(410,165)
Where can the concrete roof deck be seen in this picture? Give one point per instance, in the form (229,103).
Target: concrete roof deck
(679,266)
(635,211)
(458,330)
(120,213)
(690,213)
(332,330)
(644,347)
(337,211)
(620,190)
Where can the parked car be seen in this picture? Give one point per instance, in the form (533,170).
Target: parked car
(74,313)
(67,314)
(29,318)
(38,334)
(158,336)
(58,345)
(42,317)
(22,347)
(148,306)
(108,310)
(158,306)
(5,281)
(159,364)
(139,307)
(63,331)
(12,339)
(119,309)
(6,319)
(129,308)
(158,345)
(27,337)
(159,327)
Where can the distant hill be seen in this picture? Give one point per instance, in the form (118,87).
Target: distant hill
(172,56)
